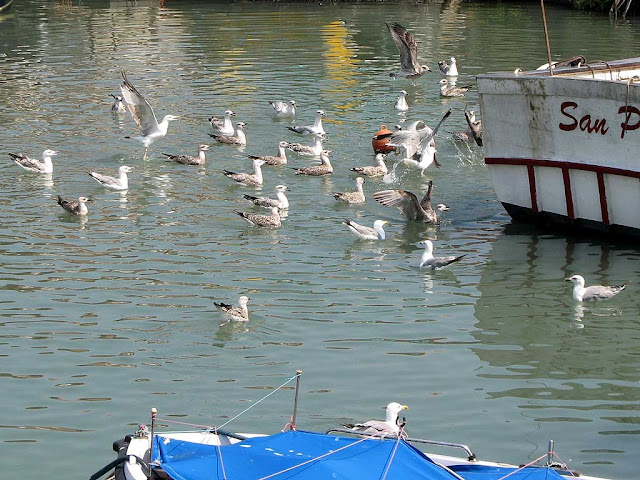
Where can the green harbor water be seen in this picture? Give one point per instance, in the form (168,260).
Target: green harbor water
(102,319)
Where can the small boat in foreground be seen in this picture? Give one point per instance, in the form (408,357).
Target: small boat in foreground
(212,453)
(562,146)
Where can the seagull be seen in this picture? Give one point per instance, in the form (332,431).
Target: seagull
(594,292)
(239,139)
(285,109)
(34,165)
(434,263)
(408,204)
(324,168)
(274,160)
(281,201)
(447,90)
(426,156)
(408,48)
(120,183)
(367,233)
(143,115)
(377,170)
(225,126)
(449,69)
(475,126)
(118,104)
(315,129)
(413,139)
(189,159)
(265,221)
(234,314)
(248,179)
(314,149)
(401,102)
(352,197)
(73,207)
(378,427)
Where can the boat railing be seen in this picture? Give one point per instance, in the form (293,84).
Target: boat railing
(470,455)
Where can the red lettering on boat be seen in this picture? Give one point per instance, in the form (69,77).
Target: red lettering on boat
(628,110)
(574,124)
(586,123)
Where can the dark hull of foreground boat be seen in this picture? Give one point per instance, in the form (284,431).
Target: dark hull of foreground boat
(4,4)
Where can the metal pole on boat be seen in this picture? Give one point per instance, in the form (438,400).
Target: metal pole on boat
(292,426)
(546,36)
(154,414)
(550,453)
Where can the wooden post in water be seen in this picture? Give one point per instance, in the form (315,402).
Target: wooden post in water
(546,36)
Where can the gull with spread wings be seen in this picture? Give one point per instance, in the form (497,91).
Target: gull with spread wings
(408,48)
(408,204)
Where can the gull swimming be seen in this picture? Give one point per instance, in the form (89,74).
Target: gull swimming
(73,207)
(224,126)
(434,263)
(314,149)
(248,179)
(408,49)
(264,221)
(143,115)
(315,129)
(352,197)
(189,159)
(449,69)
(377,170)
(401,102)
(238,139)
(120,183)
(378,427)
(118,104)
(281,201)
(324,168)
(367,233)
(285,109)
(594,292)
(447,90)
(408,204)
(274,160)
(234,314)
(34,165)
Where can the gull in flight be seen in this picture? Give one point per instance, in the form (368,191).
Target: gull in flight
(449,69)
(143,115)
(413,140)
(118,104)
(447,90)
(434,263)
(594,292)
(352,197)
(408,48)
(74,207)
(248,179)
(427,156)
(285,109)
(315,129)
(314,149)
(324,168)
(408,204)
(239,139)
(189,159)
(401,102)
(120,183)
(264,221)
(367,233)
(225,126)
(274,160)
(234,314)
(377,170)
(281,201)
(34,165)
(378,427)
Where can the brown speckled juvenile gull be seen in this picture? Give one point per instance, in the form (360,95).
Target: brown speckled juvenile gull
(248,179)
(234,314)
(74,207)
(34,165)
(408,204)
(408,48)
(265,221)
(447,90)
(377,170)
(281,201)
(314,149)
(594,292)
(325,167)
(352,197)
(190,159)
(274,160)
(239,139)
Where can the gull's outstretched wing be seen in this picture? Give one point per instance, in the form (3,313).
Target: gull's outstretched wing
(407,46)
(403,200)
(140,109)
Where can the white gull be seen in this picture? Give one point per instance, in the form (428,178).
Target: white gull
(119,183)
(434,263)
(248,179)
(315,129)
(449,69)
(284,109)
(34,165)
(314,149)
(401,102)
(234,314)
(367,233)
(225,126)
(281,201)
(378,427)
(594,292)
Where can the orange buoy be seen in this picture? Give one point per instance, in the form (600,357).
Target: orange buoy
(380,140)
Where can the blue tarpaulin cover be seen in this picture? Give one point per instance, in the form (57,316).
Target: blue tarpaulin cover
(259,457)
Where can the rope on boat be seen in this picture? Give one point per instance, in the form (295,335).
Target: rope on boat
(393,453)
(565,467)
(523,467)
(224,473)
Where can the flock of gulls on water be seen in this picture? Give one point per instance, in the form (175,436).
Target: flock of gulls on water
(415,142)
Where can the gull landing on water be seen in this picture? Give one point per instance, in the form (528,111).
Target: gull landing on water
(33,165)
(378,427)
(225,126)
(143,115)
(234,314)
(120,183)
(408,49)
(74,207)
(434,263)
(281,201)
(248,179)
(315,129)
(189,159)
(284,109)
(594,292)
(367,233)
